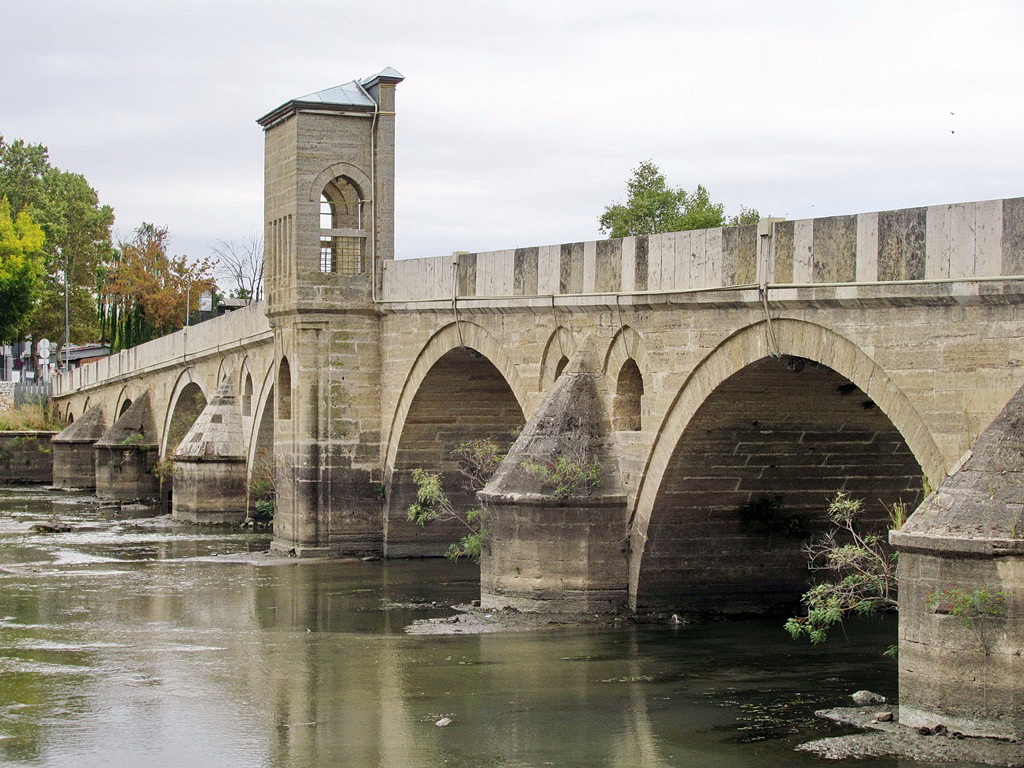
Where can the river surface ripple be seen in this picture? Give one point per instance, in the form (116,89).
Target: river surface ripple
(128,642)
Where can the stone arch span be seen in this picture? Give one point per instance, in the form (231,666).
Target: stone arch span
(843,389)
(261,429)
(443,341)
(455,393)
(187,400)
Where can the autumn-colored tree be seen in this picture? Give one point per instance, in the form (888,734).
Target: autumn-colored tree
(146,290)
(21,269)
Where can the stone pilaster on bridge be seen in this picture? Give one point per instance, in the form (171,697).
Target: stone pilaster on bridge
(961,591)
(556,538)
(209,464)
(327,436)
(74,454)
(127,455)
(329,217)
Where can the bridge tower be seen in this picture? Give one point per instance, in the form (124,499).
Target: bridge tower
(329,226)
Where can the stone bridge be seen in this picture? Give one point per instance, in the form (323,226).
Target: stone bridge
(703,372)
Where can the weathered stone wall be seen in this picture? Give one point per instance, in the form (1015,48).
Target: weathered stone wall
(6,396)
(960,241)
(74,466)
(960,670)
(26,457)
(209,492)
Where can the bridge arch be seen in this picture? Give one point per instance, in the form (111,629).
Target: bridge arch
(624,364)
(740,365)
(245,386)
(260,454)
(122,403)
(187,400)
(460,389)
(558,351)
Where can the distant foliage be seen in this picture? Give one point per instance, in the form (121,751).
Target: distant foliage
(652,206)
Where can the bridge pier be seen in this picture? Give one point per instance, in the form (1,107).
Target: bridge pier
(209,464)
(555,542)
(961,592)
(74,453)
(127,455)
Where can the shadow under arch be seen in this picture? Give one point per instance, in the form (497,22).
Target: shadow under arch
(797,339)
(122,404)
(187,400)
(439,344)
(457,394)
(261,430)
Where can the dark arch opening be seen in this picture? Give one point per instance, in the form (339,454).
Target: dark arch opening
(629,390)
(284,390)
(786,429)
(71,418)
(247,395)
(463,397)
(262,479)
(562,362)
(124,407)
(189,405)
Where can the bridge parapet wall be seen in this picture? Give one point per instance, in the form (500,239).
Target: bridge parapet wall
(236,329)
(963,241)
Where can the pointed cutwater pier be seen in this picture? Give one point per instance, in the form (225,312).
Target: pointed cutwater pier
(209,464)
(127,456)
(961,591)
(74,453)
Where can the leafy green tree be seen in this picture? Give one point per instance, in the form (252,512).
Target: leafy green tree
(77,230)
(859,566)
(21,269)
(652,206)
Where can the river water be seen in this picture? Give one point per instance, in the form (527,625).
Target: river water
(138,643)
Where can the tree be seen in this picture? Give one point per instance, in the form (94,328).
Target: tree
(860,566)
(21,269)
(652,206)
(242,264)
(146,290)
(477,461)
(77,230)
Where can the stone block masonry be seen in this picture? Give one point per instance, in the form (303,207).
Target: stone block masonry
(26,457)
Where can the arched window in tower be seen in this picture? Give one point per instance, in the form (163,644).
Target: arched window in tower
(342,237)
(284,390)
(629,389)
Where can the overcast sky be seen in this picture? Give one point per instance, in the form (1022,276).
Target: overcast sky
(519,121)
